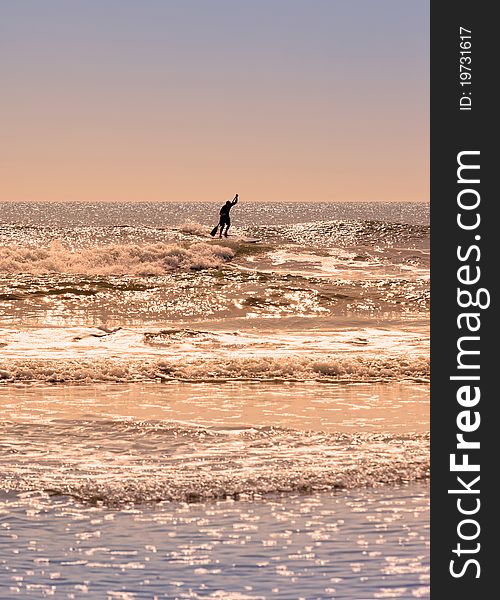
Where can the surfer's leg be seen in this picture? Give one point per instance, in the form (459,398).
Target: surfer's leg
(228,224)
(223,223)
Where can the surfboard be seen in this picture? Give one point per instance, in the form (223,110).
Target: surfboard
(213,235)
(237,238)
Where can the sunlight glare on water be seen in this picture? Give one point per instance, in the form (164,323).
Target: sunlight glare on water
(240,418)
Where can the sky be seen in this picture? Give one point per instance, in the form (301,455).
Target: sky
(196,100)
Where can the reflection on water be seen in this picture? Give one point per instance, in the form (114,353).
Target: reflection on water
(115,445)
(367,544)
(222,487)
(230,292)
(392,408)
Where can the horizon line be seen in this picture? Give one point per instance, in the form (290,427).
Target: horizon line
(156,201)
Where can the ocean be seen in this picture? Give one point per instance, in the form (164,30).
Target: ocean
(186,416)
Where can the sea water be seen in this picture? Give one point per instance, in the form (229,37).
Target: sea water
(190,417)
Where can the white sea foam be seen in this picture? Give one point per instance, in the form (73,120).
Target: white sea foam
(123,354)
(115,259)
(193,228)
(285,368)
(172,462)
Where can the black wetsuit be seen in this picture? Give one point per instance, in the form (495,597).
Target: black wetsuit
(225,220)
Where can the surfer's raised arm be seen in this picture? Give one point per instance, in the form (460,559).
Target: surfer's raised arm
(235,200)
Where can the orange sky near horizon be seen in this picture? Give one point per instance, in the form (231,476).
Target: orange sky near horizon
(154,101)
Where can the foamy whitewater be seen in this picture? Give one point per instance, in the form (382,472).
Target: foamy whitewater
(146,368)
(141,292)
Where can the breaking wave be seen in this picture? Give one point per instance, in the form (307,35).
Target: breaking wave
(360,368)
(193,228)
(346,233)
(116,259)
(170,462)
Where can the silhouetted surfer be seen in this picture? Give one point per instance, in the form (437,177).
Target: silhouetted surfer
(224,220)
